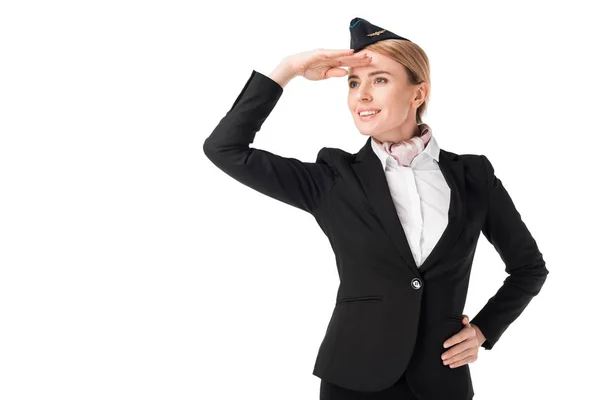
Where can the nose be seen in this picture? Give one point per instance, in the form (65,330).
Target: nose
(364,94)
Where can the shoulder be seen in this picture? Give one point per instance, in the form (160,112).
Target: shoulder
(334,156)
(476,166)
(470,160)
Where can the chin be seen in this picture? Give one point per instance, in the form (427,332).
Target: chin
(368,132)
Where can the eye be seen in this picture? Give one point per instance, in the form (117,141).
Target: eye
(376,79)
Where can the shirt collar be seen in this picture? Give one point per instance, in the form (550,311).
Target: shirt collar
(430,152)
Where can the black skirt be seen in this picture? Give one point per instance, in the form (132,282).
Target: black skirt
(399,391)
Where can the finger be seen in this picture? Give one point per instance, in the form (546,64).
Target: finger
(363,56)
(457,357)
(465,333)
(453,340)
(470,346)
(456,349)
(355,59)
(354,63)
(336,53)
(336,65)
(345,60)
(464,361)
(463,350)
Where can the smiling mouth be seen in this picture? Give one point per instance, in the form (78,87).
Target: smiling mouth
(369,116)
(377,112)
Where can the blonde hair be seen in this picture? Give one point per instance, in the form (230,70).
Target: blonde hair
(414,60)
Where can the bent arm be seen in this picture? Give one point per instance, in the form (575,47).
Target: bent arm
(506,231)
(303,185)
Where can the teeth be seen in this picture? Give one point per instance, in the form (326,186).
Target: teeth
(363,113)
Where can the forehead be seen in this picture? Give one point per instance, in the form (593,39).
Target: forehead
(379,61)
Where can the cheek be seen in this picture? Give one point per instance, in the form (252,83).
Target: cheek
(398,99)
(399,107)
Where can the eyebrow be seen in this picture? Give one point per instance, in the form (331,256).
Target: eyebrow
(371,74)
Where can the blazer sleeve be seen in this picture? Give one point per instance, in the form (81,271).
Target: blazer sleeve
(506,231)
(303,185)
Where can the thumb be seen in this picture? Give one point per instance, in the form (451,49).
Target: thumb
(336,72)
(466,318)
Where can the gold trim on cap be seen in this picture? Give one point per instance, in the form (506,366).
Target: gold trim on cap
(376,33)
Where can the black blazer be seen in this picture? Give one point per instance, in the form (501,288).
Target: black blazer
(390,317)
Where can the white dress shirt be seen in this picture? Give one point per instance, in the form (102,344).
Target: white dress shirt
(421,196)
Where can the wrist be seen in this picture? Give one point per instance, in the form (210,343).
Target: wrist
(282,74)
(480,336)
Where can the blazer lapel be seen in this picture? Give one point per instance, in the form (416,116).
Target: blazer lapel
(372,178)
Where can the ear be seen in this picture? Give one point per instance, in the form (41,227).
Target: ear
(420,94)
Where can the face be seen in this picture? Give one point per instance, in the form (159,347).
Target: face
(388,92)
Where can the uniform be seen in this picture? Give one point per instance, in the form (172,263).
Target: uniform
(391,316)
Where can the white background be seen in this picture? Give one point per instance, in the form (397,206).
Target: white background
(132,268)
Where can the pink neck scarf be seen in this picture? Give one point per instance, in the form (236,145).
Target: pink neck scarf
(404,152)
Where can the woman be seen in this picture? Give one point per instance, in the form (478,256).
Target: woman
(403,217)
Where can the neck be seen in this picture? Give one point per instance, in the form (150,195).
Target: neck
(403,133)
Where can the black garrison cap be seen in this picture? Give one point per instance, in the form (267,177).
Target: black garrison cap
(363,33)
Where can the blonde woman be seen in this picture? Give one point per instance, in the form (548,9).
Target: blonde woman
(403,217)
